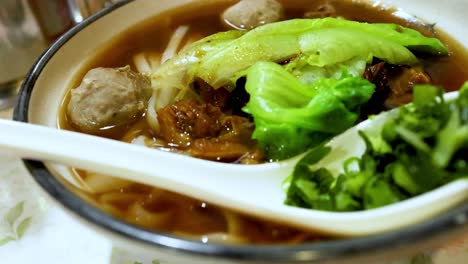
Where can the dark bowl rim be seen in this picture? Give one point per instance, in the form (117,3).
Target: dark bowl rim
(318,251)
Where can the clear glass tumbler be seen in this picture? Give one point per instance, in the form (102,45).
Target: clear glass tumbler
(27,27)
(21,42)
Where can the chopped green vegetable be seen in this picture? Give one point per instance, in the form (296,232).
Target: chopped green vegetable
(291,116)
(424,147)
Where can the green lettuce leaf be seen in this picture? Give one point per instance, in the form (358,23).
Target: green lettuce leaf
(318,42)
(307,73)
(218,58)
(291,116)
(172,80)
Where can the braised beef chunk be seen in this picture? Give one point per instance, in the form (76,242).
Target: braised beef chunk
(378,75)
(186,120)
(218,129)
(394,85)
(217,149)
(218,97)
(255,156)
(204,131)
(402,85)
(233,143)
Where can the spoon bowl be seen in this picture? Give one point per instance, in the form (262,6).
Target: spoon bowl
(251,189)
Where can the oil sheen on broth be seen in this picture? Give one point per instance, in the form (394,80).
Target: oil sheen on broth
(168,212)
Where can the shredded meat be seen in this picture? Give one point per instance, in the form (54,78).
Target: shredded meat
(204,131)
(402,85)
(187,120)
(218,97)
(217,149)
(374,73)
(394,85)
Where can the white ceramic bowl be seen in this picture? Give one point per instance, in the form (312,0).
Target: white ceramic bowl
(46,85)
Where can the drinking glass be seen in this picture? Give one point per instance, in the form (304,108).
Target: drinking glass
(27,27)
(21,43)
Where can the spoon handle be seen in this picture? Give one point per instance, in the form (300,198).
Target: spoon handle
(175,172)
(253,189)
(83,151)
(69,148)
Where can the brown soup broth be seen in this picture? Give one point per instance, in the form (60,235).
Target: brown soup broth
(168,212)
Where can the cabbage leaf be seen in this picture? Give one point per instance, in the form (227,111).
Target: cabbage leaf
(317,42)
(171,81)
(218,58)
(291,116)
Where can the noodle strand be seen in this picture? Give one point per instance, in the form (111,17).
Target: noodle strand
(174,43)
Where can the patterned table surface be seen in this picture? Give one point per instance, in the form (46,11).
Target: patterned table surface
(34,230)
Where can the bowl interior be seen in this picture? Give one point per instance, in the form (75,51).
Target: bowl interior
(50,79)
(63,66)
(60,71)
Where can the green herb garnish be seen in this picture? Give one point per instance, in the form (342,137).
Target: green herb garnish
(424,147)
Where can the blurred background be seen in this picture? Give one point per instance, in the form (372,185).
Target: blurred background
(27,28)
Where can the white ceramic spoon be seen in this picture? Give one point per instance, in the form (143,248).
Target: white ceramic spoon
(252,189)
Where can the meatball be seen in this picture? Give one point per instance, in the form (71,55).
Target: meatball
(108,97)
(249,14)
